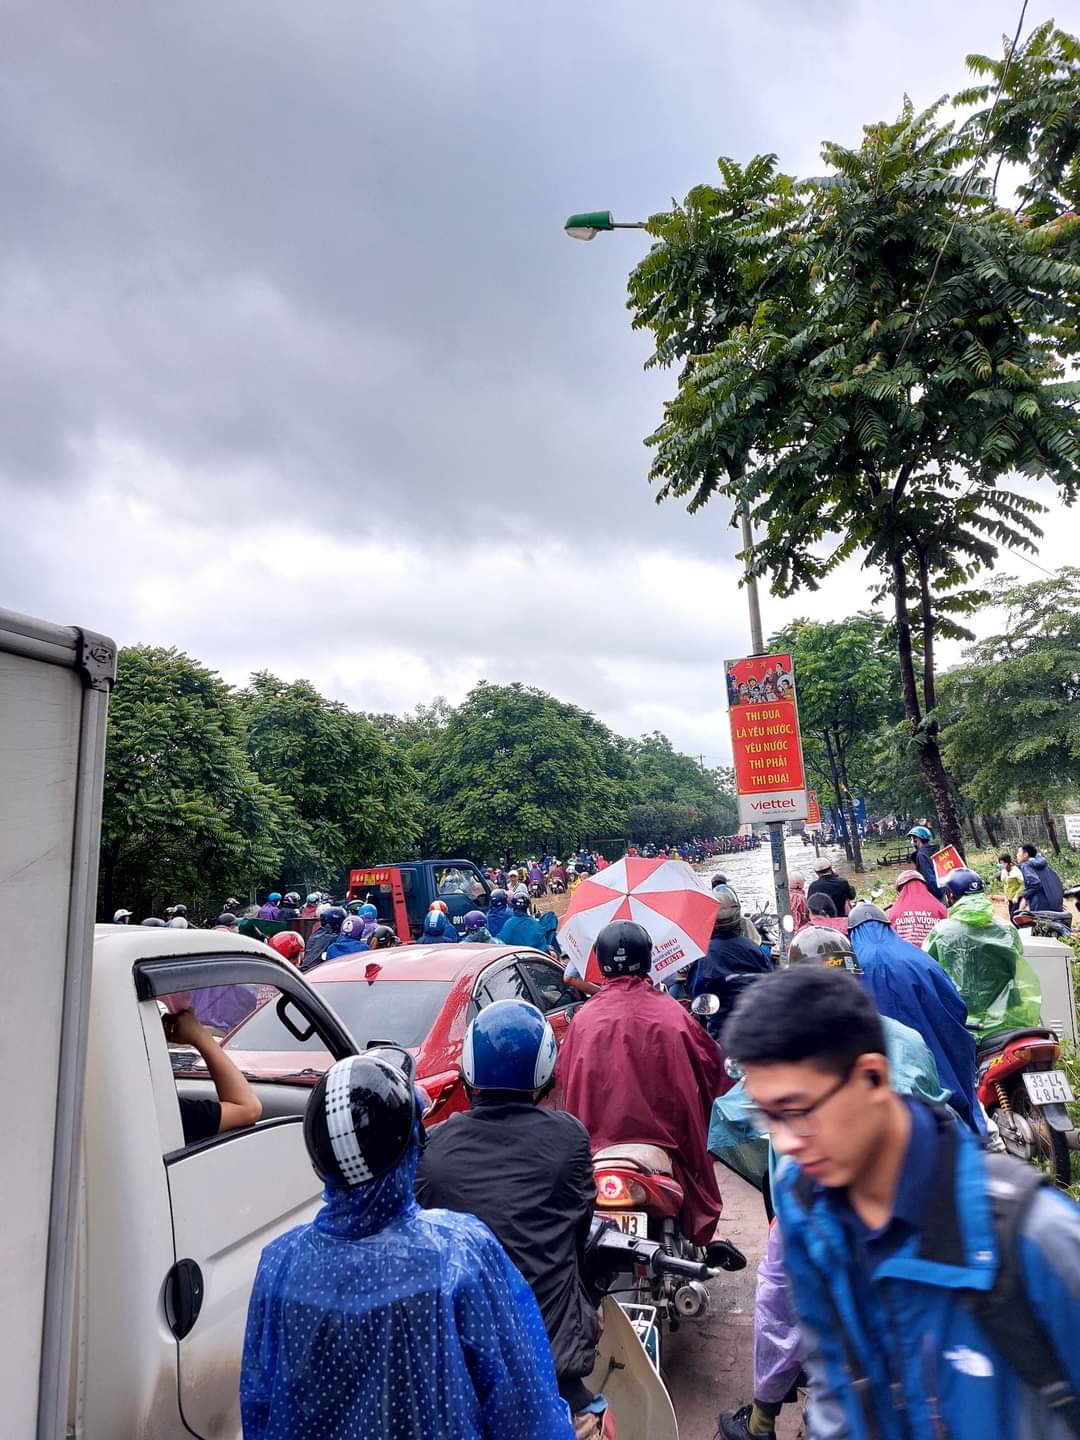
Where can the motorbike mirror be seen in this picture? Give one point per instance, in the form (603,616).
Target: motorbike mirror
(707,1004)
(788,924)
(876,891)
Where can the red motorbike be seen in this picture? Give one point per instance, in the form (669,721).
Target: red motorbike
(1025,1096)
(636,1187)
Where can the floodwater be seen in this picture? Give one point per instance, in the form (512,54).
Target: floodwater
(751,874)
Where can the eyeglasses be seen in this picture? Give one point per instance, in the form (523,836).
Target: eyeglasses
(800,1123)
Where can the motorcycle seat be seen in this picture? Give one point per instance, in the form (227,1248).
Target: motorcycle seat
(993,1043)
(649,1159)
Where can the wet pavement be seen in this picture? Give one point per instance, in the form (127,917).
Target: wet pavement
(709,1362)
(751,873)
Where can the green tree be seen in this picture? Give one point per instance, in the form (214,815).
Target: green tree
(865,357)
(1035,124)
(185,816)
(415,737)
(1012,709)
(673,797)
(514,770)
(846,676)
(354,795)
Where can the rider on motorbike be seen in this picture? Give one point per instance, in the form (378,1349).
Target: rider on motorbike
(526,1171)
(731,961)
(521,928)
(378,1318)
(984,958)
(636,1068)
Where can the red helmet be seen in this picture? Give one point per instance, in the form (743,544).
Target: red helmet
(288,945)
(439,905)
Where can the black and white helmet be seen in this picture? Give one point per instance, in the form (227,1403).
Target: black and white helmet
(623,948)
(360,1120)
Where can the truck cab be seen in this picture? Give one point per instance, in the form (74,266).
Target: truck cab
(402,893)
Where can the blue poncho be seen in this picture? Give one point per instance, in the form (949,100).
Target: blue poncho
(909,986)
(382,1321)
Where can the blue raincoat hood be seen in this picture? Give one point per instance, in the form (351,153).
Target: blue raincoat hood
(382,1321)
(908,986)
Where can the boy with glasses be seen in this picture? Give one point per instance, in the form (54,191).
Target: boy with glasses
(889,1215)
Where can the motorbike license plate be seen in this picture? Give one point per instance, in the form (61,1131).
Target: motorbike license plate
(633,1222)
(1048,1087)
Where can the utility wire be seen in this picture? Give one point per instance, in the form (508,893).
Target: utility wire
(976,164)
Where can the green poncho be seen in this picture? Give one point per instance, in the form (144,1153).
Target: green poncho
(984,958)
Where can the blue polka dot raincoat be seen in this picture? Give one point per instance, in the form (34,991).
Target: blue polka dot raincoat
(382,1321)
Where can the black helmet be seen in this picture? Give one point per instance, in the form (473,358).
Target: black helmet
(498,897)
(728,910)
(821,945)
(175,910)
(292,898)
(360,1120)
(520,904)
(864,911)
(153,920)
(383,937)
(623,948)
(333,917)
(718,879)
(226,920)
(231,903)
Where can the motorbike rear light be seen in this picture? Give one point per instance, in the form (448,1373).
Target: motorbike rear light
(614,1190)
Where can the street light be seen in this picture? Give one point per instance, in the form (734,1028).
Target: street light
(588,225)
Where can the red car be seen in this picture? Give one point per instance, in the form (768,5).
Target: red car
(421,997)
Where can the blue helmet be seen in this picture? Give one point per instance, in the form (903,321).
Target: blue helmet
(498,899)
(368,911)
(509,1046)
(919,832)
(274,896)
(435,923)
(963,882)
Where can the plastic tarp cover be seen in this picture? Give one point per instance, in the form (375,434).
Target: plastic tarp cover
(381,1321)
(984,958)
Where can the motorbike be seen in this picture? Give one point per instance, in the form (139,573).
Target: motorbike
(627,1370)
(1053,924)
(636,1189)
(1025,1096)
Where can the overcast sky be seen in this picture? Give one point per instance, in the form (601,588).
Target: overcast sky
(298,370)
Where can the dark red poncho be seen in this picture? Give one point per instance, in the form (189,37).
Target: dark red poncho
(635,1067)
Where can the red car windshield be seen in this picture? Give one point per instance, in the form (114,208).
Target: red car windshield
(402,1011)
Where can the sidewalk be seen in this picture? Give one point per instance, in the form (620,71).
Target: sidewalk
(709,1362)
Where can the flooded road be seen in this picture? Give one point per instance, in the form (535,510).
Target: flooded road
(751,873)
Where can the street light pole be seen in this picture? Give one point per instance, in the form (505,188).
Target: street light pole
(586,226)
(776,827)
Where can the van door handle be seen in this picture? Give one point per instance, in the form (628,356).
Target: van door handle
(183,1297)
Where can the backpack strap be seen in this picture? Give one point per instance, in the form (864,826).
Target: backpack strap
(1005,1312)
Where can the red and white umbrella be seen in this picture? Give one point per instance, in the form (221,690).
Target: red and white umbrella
(665,896)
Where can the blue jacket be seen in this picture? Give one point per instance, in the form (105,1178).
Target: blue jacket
(497,917)
(523,930)
(727,955)
(344,945)
(924,863)
(381,1320)
(910,987)
(1042,885)
(907,1327)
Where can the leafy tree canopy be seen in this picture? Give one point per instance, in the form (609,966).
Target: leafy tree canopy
(1012,709)
(355,796)
(185,815)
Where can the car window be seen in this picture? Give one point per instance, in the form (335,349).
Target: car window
(506,983)
(402,1011)
(547,981)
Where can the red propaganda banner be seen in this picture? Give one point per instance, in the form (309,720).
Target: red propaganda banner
(769,775)
(946,860)
(813,809)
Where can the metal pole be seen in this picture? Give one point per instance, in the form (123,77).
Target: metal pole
(776,827)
